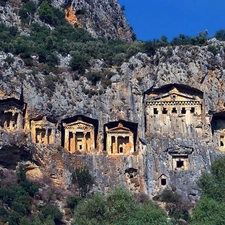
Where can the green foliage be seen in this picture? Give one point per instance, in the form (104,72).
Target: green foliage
(45,13)
(220,35)
(27,11)
(72,201)
(50,82)
(208,212)
(210,207)
(94,77)
(213,185)
(176,208)
(51,213)
(119,207)
(9,60)
(21,173)
(83,179)
(92,211)
(168,196)
(3,2)
(79,62)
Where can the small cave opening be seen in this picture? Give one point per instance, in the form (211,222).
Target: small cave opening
(132,172)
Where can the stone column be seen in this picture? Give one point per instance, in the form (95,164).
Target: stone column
(131,140)
(109,143)
(53,136)
(85,142)
(46,138)
(189,116)
(66,139)
(92,139)
(33,132)
(73,142)
(116,144)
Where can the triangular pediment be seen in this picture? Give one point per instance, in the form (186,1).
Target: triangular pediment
(120,129)
(42,121)
(173,95)
(79,124)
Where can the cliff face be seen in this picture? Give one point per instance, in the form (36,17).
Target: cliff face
(103,19)
(170,156)
(172,102)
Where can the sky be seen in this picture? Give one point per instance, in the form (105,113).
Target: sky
(150,19)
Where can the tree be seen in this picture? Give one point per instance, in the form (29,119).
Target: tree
(220,35)
(208,212)
(45,12)
(79,62)
(27,11)
(21,173)
(119,207)
(83,179)
(210,209)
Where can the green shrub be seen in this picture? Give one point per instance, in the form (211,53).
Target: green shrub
(51,212)
(79,62)
(50,82)
(213,49)
(27,11)
(94,77)
(83,179)
(45,13)
(72,201)
(119,207)
(220,35)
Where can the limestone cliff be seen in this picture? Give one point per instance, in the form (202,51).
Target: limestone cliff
(100,18)
(164,114)
(103,19)
(154,160)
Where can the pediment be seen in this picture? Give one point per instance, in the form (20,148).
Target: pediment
(180,150)
(119,129)
(173,95)
(78,125)
(42,121)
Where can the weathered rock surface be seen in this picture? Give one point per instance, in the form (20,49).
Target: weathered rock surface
(124,99)
(100,18)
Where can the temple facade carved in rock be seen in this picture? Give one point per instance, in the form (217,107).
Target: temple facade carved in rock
(43,130)
(119,140)
(218,130)
(79,134)
(12,113)
(174,110)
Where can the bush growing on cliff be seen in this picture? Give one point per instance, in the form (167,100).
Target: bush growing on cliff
(119,207)
(27,11)
(83,179)
(210,207)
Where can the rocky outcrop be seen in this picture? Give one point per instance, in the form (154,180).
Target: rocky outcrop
(161,160)
(100,18)
(172,156)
